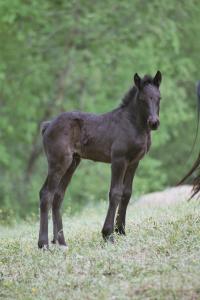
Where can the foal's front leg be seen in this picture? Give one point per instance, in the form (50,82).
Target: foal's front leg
(118,169)
(127,191)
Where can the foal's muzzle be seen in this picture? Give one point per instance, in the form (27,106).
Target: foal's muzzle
(153,123)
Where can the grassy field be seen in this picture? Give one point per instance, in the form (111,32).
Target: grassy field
(158,259)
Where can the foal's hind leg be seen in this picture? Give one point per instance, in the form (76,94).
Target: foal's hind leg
(127,191)
(58,234)
(47,192)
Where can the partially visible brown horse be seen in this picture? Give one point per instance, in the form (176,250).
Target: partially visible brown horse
(121,137)
(196,166)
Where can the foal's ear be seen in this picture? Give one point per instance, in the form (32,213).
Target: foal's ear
(137,80)
(157,79)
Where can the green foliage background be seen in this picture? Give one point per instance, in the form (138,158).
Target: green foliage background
(81,55)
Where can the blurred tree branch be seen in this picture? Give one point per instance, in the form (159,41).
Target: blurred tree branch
(56,102)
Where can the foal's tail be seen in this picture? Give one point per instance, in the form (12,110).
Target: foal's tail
(196,165)
(44,126)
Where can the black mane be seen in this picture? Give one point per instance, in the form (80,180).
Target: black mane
(129,96)
(133,90)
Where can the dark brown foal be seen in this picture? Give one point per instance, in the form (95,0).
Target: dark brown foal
(121,137)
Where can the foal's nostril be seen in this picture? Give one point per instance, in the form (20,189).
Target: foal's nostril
(153,124)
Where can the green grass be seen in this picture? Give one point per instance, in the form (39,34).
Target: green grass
(158,259)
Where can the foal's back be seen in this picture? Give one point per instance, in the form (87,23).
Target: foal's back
(90,136)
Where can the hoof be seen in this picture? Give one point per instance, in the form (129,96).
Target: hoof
(120,231)
(109,239)
(63,246)
(43,245)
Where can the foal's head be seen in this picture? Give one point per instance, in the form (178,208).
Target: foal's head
(149,98)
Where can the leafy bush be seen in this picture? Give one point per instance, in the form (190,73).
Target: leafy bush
(66,55)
